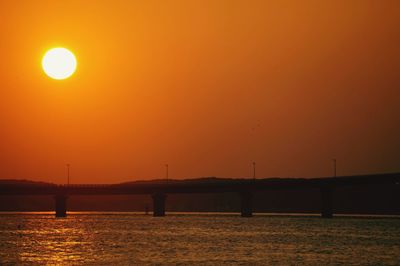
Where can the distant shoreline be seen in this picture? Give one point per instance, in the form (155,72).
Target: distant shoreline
(257,214)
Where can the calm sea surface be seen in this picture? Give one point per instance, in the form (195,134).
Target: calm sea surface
(211,239)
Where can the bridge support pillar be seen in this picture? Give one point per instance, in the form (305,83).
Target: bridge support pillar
(159,204)
(61,205)
(246,204)
(326,202)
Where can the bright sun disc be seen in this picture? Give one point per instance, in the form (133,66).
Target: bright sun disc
(59,63)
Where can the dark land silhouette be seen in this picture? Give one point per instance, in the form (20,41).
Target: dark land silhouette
(287,195)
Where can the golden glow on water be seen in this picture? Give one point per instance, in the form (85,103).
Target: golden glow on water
(121,238)
(55,240)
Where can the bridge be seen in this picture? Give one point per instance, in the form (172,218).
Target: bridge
(160,189)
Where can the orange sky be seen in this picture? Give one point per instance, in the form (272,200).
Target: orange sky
(205,86)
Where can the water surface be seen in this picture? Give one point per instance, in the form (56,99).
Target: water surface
(211,239)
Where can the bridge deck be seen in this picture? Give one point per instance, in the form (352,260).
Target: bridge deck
(197,186)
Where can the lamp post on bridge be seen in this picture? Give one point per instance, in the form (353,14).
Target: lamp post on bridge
(254,170)
(334,167)
(68,173)
(166,172)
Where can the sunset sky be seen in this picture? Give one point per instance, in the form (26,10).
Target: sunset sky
(205,86)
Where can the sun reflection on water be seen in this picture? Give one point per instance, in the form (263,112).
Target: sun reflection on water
(206,239)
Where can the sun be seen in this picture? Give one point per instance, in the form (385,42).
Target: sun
(59,63)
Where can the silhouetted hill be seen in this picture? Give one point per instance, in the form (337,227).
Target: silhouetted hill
(188,180)
(200,180)
(23,181)
(368,199)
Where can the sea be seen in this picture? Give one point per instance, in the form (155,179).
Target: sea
(105,238)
